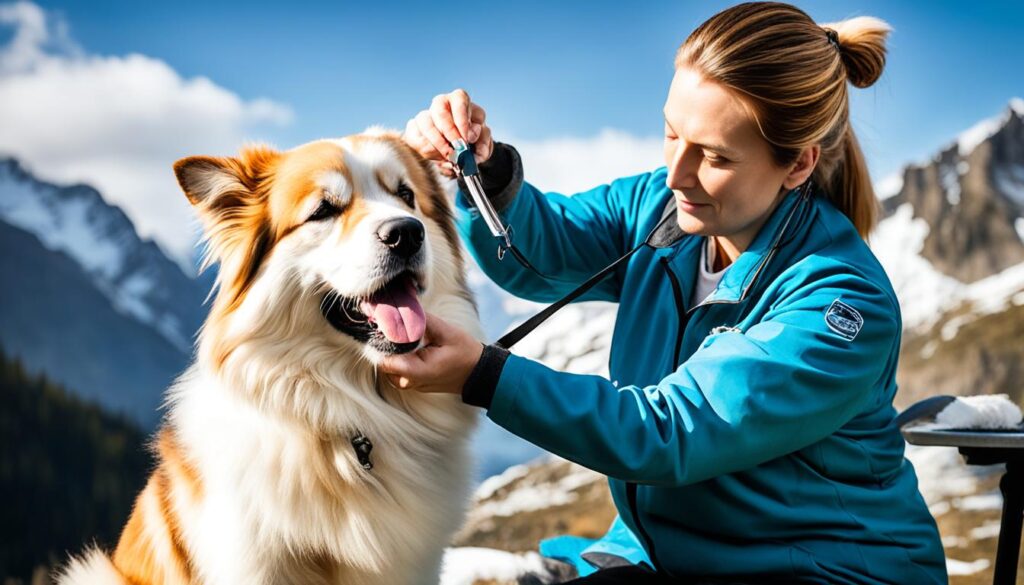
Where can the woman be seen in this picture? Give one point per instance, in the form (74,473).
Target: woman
(746,429)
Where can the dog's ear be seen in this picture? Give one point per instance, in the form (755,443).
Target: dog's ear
(205,178)
(229,195)
(214,183)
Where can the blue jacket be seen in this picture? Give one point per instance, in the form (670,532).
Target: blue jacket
(747,437)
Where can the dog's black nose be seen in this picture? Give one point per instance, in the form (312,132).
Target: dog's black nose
(404,235)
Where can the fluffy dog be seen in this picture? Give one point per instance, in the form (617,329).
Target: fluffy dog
(282,457)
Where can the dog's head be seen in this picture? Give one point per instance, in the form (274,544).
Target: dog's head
(343,240)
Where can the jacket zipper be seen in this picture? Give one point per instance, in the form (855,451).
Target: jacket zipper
(631,487)
(648,543)
(677,292)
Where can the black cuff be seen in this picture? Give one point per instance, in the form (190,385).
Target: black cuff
(483,380)
(501,176)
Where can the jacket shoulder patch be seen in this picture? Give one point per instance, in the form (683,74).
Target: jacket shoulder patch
(844,320)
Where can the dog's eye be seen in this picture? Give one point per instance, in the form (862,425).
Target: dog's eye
(405,194)
(323,211)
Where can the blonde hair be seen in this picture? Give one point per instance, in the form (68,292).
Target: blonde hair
(792,74)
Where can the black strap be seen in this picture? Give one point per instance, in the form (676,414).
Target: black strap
(516,335)
(659,237)
(522,260)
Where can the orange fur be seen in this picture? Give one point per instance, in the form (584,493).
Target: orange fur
(150,551)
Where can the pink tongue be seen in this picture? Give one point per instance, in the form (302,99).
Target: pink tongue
(397,312)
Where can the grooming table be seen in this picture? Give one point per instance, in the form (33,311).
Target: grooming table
(990,448)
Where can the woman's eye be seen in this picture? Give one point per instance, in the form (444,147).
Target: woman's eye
(323,211)
(405,194)
(712,157)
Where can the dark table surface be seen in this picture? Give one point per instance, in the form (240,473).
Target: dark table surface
(996,439)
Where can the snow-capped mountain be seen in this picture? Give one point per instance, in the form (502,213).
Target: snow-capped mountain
(955,225)
(134,274)
(86,302)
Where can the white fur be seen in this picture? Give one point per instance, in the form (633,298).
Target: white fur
(270,433)
(335,186)
(93,567)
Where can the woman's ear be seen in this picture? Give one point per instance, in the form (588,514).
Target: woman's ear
(803,167)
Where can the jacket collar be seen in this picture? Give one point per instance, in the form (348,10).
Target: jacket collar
(744,271)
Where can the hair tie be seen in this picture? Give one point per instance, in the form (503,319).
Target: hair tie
(832,37)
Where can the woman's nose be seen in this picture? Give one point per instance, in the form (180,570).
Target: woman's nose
(682,167)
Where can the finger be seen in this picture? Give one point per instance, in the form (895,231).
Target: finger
(447,168)
(413,137)
(441,114)
(459,105)
(425,122)
(437,330)
(484,147)
(477,113)
(408,365)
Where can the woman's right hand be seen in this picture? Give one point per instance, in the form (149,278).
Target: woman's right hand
(450,116)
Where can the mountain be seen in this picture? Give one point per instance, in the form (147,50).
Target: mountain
(134,274)
(56,321)
(971,196)
(85,300)
(952,242)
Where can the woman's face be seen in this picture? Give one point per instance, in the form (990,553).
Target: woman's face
(720,168)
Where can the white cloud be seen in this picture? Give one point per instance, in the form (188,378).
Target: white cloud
(116,122)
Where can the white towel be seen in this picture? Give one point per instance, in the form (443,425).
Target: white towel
(994,411)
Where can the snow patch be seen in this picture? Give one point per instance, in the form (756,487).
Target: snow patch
(1010,181)
(922,290)
(929,349)
(492,484)
(467,565)
(959,568)
(942,475)
(527,498)
(63,224)
(980,502)
(986,530)
(975,135)
(950,183)
(925,293)
(1017,105)
(889,186)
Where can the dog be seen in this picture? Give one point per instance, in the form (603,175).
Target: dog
(282,457)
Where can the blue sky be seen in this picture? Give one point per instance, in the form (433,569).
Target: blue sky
(112,92)
(546,69)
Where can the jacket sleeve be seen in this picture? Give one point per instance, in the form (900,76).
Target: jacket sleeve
(567,238)
(740,400)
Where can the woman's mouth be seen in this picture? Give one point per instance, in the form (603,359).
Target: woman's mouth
(689,206)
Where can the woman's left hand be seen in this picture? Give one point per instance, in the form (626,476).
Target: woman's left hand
(442,365)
